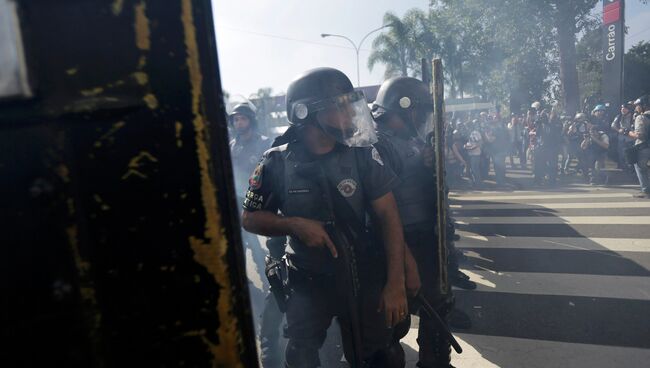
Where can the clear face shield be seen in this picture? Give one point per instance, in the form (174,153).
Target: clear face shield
(347,119)
(424,123)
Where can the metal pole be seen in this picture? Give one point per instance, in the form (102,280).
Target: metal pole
(438,133)
(358,74)
(357,49)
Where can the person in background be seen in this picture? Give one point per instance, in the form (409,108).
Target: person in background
(622,123)
(573,134)
(598,117)
(594,145)
(456,163)
(516,130)
(497,138)
(474,149)
(641,134)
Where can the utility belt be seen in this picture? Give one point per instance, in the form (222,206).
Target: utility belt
(285,276)
(632,153)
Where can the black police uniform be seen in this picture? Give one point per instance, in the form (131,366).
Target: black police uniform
(245,155)
(288,180)
(416,201)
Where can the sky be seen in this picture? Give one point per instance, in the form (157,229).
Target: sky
(266,43)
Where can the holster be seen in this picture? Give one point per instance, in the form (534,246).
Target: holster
(278,276)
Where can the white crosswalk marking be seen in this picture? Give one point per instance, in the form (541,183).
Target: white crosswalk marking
(532,197)
(551,206)
(570,220)
(545,300)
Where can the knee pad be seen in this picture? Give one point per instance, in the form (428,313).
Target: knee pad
(391,357)
(301,354)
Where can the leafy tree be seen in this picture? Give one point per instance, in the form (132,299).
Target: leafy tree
(589,52)
(637,71)
(395,47)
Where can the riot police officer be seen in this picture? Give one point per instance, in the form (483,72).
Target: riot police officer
(403,112)
(331,171)
(246,148)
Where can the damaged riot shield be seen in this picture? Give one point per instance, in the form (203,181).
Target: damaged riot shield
(121,243)
(432,75)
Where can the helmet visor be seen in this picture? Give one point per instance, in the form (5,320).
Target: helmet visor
(424,123)
(347,119)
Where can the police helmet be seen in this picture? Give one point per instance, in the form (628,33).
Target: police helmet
(326,96)
(628,105)
(599,107)
(643,101)
(410,99)
(245,108)
(536,105)
(401,94)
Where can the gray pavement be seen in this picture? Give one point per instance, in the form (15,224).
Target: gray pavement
(563,276)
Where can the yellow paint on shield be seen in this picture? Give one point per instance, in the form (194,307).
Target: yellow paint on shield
(142,32)
(92,92)
(151,101)
(141,77)
(210,249)
(117,7)
(179,127)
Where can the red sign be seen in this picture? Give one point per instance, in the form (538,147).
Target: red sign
(612,12)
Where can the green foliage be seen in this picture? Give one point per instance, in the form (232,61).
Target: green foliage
(589,52)
(637,71)
(506,51)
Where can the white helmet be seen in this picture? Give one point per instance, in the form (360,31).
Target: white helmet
(581,117)
(536,105)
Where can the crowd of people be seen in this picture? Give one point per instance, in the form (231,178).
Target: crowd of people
(549,143)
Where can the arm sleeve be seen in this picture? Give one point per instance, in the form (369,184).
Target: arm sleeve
(378,179)
(389,155)
(262,193)
(641,127)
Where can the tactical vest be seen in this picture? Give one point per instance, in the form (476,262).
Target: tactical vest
(415,195)
(304,196)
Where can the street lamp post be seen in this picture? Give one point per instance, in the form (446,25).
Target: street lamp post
(357,48)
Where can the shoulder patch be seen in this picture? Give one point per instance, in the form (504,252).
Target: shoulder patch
(376,156)
(280,148)
(255,181)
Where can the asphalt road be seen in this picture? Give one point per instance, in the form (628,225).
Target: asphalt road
(563,278)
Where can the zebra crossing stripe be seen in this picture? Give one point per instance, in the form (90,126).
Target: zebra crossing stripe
(460,197)
(559,220)
(472,240)
(551,206)
(596,286)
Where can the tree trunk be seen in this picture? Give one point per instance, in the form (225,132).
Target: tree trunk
(566,33)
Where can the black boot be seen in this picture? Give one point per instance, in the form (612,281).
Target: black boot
(440,354)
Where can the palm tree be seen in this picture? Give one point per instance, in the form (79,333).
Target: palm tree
(394,48)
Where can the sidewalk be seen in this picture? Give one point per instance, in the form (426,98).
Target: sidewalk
(518,179)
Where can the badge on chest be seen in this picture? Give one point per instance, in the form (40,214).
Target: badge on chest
(347,187)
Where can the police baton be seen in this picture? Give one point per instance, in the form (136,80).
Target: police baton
(428,309)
